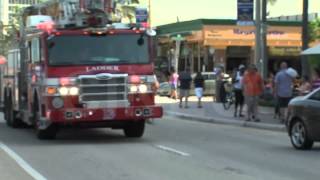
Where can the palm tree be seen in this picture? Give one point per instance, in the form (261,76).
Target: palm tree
(264,48)
(125,9)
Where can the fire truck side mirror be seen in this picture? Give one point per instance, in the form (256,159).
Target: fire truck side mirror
(140,41)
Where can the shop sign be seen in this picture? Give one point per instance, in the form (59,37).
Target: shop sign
(248,33)
(284,51)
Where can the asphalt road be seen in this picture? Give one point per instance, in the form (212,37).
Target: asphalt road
(170,150)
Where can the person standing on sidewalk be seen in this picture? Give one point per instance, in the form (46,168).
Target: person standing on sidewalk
(198,87)
(316,79)
(283,89)
(238,90)
(185,85)
(173,80)
(253,87)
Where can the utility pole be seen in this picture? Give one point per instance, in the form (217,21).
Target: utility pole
(149,7)
(305,37)
(264,49)
(258,37)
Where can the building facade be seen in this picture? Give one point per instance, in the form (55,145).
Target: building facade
(7,8)
(207,43)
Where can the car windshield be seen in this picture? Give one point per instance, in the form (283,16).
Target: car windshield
(84,50)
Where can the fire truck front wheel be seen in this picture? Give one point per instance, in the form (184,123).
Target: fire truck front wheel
(47,133)
(134,129)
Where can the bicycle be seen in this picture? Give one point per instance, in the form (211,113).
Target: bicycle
(229,97)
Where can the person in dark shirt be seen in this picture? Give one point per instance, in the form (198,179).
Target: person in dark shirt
(185,84)
(198,87)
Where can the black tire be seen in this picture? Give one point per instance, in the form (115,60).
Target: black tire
(48,133)
(44,134)
(134,129)
(10,114)
(9,111)
(5,103)
(299,136)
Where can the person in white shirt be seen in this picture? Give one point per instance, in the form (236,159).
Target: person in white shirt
(238,90)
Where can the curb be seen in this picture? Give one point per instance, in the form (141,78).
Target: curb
(224,121)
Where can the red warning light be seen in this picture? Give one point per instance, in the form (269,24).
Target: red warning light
(47,26)
(3,60)
(145,25)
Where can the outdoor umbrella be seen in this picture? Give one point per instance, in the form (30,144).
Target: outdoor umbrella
(312,51)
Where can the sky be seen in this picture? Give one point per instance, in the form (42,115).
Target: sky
(168,11)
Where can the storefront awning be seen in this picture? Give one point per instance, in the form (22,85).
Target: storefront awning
(312,51)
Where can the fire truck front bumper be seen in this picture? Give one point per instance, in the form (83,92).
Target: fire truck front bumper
(109,114)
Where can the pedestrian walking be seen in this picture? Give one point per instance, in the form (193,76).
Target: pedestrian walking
(185,85)
(173,81)
(283,89)
(199,87)
(253,88)
(238,90)
(218,71)
(316,79)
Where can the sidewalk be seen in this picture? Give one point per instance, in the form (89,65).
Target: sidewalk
(215,113)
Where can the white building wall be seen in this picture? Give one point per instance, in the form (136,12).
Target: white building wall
(4,11)
(5,4)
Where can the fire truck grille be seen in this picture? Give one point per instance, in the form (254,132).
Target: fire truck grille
(111,89)
(103,98)
(94,81)
(93,89)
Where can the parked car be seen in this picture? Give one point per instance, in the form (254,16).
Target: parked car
(303,123)
(209,83)
(164,89)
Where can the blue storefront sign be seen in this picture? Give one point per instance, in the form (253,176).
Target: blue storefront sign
(245,12)
(141,15)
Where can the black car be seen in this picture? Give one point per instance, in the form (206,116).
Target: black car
(303,123)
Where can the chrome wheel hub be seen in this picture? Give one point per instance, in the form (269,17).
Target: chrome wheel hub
(298,134)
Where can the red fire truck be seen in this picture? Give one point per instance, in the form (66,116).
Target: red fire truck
(75,68)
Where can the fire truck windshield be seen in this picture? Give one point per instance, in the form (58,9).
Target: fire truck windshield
(93,50)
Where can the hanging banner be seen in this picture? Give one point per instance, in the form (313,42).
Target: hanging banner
(141,15)
(245,12)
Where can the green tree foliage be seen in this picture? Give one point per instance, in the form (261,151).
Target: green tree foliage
(315,30)
(272,2)
(9,32)
(125,9)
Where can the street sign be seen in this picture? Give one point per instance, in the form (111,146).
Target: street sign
(141,15)
(178,38)
(245,12)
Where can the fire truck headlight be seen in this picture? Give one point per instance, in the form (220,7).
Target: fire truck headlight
(133,88)
(143,88)
(63,91)
(57,102)
(74,91)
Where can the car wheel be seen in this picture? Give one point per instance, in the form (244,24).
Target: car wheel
(134,129)
(299,136)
